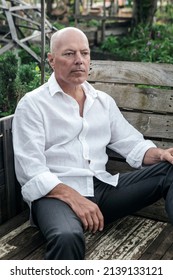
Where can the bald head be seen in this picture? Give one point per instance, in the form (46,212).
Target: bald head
(69,58)
(60,37)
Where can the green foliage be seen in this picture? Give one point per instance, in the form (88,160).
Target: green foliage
(58,25)
(165,12)
(15,80)
(144,43)
(28,78)
(25,57)
(8,73)
(93,23)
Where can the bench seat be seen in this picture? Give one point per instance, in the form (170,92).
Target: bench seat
(132,237)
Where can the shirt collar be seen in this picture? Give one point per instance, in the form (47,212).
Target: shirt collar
(54,87)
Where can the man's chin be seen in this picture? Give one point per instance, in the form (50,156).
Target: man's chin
(79,79)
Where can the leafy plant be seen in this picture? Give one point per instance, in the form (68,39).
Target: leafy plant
(165,12)
(93,23)
(28,78)
(144,43)
(15,80)
(8,73)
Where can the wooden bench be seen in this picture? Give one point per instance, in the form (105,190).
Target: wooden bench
(144,93)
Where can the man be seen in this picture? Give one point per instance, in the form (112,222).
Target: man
(60,134)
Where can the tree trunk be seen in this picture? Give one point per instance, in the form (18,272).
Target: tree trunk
(49,7)
(144,10)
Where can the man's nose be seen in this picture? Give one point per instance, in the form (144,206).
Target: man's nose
(78,58)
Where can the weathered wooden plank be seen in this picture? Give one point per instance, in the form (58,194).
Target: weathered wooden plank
(14,203)
(3,212)
(27,242)
(152,125)
(1,155)
(163,144)
(2,177)
(37,254)
(141,99)
(127,239)
(131,73)
(160,247)
(5,247)
(14,223)
(10,186)
(18,238)
(20,242)
(168,255)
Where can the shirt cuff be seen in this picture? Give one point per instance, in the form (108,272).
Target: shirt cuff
(135,158)
(39,186)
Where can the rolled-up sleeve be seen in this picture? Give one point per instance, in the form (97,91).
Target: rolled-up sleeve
(39,186)
(135,157)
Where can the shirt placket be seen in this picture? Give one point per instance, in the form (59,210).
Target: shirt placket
(82,138)
(86,156)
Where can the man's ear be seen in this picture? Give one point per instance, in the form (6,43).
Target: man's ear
(51,60)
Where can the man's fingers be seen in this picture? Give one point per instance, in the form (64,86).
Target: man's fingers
(101,221)
(84,223)
(95,221)
(90,222)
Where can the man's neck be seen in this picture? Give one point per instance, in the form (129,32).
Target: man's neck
(79,95)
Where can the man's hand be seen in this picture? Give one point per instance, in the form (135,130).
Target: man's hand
(88,211)
(167,155)
(154,155)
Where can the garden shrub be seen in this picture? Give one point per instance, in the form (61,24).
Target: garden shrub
(144,43)
(15,80)
(8,74)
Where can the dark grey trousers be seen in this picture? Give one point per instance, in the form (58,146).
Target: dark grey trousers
(63,230)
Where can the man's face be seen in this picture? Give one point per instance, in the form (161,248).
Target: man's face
(71,60)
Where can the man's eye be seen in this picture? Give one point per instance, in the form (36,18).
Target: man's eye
(69,54)
(85,53)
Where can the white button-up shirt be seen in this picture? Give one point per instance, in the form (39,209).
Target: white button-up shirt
(54,144)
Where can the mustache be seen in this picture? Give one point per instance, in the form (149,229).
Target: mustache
(78,70)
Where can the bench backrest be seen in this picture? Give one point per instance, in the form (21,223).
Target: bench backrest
(10,191)
(143,92)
